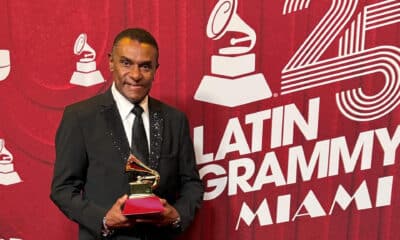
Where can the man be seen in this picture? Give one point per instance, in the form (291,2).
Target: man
(93,142)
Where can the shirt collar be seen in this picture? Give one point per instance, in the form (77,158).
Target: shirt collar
(125,106)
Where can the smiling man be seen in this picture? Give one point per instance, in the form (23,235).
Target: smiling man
(96,137)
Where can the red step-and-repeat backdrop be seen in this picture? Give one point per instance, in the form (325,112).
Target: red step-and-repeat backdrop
(293,106)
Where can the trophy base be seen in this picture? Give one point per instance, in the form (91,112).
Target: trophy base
(142,205)
(86,79)
(233,92)
(9,178)
(4,71)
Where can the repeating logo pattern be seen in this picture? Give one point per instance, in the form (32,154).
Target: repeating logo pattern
(4,64)
(234,67)
(86,73)
(7,174)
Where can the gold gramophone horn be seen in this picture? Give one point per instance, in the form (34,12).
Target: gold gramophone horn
(135,165)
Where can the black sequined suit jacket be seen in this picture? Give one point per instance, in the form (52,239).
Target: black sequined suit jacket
(91,153)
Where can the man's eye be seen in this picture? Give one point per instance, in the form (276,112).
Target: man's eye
(145,67)
(125,63)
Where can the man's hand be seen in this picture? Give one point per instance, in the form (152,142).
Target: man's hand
(166,217)
(169,215)
(114,216)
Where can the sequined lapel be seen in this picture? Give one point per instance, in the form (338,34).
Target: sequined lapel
(156,136)
(115,129)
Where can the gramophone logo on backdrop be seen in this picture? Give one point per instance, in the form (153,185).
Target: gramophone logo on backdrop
(7,174)
(4,64)
(237,82)
(86,74)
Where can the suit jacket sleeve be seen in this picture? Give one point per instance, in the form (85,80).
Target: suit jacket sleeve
(191,187)
(70,175)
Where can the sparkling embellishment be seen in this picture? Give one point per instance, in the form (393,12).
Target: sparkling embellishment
(156,123)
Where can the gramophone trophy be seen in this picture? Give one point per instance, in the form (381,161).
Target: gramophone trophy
(86,73)
(142,202)
(233,67)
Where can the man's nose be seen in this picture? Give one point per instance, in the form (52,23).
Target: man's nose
(135,73)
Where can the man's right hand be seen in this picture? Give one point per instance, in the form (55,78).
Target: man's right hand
(115,218)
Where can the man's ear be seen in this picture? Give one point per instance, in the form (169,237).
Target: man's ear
(110,62)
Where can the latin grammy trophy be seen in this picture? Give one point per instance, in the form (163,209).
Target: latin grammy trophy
(142,202)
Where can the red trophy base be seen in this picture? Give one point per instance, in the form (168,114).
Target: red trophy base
(143,206)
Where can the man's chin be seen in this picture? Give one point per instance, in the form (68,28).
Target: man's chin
(135,95)
(135,98)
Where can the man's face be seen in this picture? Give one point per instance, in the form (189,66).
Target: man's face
(133,66)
